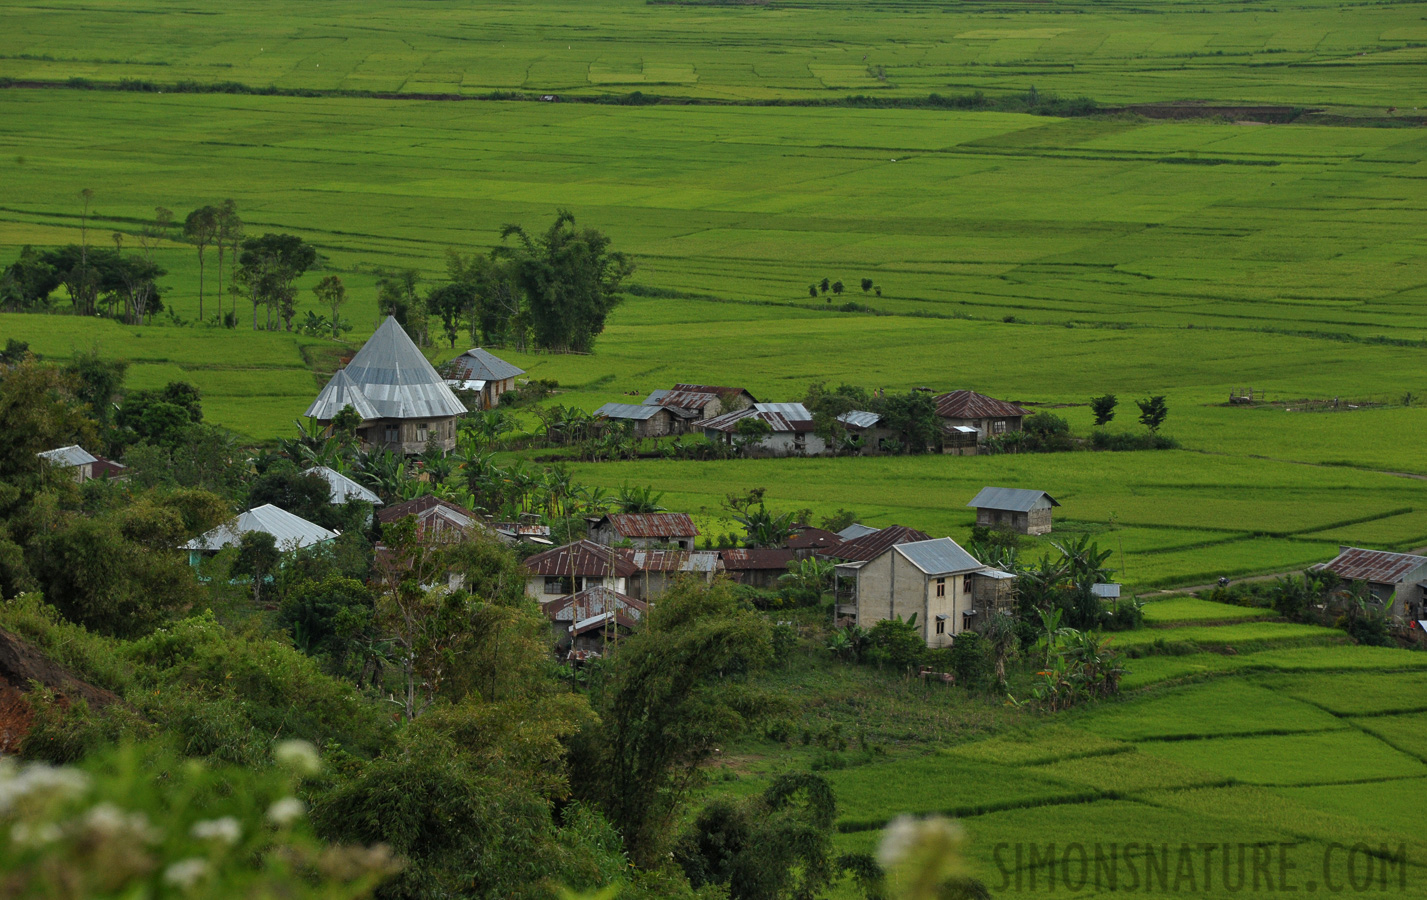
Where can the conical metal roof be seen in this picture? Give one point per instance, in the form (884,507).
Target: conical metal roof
(395,379)
(289,531)
(338,393)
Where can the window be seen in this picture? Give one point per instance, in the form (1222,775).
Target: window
(966,584)
(421,432)
(941,624)
(966,620)
(554,585)
(998,426)
(800,442)
(393,434)
(941,587)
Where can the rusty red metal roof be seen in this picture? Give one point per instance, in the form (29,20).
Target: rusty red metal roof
(1375,566)
(584,559)
(971,405)
(673,560)
(592,602)
(715,389)
(653,525)
(779,423)
(813,538)
(686,400)
(871,546)
(748,560)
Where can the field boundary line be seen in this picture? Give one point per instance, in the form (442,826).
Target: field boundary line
(1087,795)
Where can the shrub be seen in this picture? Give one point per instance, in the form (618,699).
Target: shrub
(969,660)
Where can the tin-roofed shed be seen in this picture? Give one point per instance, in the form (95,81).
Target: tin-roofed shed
(646,420)
(646,530)
(1397,580)
(482,373)
(1014,509)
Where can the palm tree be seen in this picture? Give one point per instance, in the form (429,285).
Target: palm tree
(765,529)
(639,500)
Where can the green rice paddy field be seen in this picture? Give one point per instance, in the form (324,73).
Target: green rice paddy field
(1038,259)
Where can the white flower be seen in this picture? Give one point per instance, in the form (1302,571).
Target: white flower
(186,872)
(37,779)
(26,835)
(109,821)
(286,811)
(298,756)
(224,831)
(907,835)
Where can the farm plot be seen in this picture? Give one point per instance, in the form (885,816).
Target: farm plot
(1314,758)
(1258,635)
(1361,693)
(1407,733)
(1192,610)
(1225,706)
(1392,806)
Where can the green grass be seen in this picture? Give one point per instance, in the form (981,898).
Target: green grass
(1128,773)
(1407,733)
(1312,758)
(1254,634)
(1190,610)
(1302,53)
(1361,693)
(1045,742)
(1220,707)
(1343,661)
(1394,807)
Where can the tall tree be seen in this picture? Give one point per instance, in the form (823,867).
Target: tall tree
(397,297)
(1153,411)
(496,314)
(571,281)
(269,266)
(331,293)
(201,228)
(228,236)
(451,302)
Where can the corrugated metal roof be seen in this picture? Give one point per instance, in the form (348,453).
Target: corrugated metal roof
(628,411)
(871,546)
(652,525)
(592,602)
(1376,566)
(673,560)
(477,364)
(816,538)
(941,556)
(715,389)
(289,531)
(342,487)
(423,506)
(780,424)
(1106,590)
(1014,499)
(971,405)
(997,574)
(68,457)
(682,399)
(855,531)
(859,418)
(750,560)
(793,412)
(582,558)
(395,378)
(339,393)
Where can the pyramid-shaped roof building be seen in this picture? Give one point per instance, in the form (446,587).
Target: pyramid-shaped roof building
(389,378)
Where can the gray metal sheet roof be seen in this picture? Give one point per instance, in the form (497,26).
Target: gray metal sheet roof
(341,392)
(1106,590)
(290,531)
(628,411)
(860,418)
(479,364)
(793,412)
(343,488)
(855,531)
(1014,499)
(941,556)
(395,378)
(71,456)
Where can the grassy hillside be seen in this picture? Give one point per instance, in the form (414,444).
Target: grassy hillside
(1299,53)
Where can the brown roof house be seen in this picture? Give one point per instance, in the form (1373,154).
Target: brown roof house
(757,568)
(439,520)
(871,543)
(1014,509)
(577,567)
(483,375)
(403,402)
(656,571)
(701,401)
(81,465)
(646,530)
(1397,580)
(969,419)
(946,588)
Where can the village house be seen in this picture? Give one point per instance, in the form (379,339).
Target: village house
(290,532)
(404,404)
(343,488)
(867,427)
(83,465)
(695,402)
(645,530)
(437,521)
(855,531)
(757,568)
(483,375)
(969,419)
(946,588)
(871,543)
(808,541)
(576,567)
(791,431)
(1014,509)
(1397,580)
(646,421)
(656,571)
(584,623)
